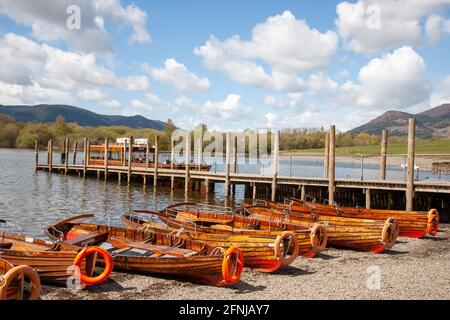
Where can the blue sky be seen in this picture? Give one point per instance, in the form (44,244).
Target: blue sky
(229,64)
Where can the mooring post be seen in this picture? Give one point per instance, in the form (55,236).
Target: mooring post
(147,154)
(235,160)
(384,142)
(130,158)
(254,192)
(303,192)
(199,148)
(362,166)
(36,153)
(187,161)
(410,167)
(172,162)
(85,155)
(368,198)
(106,156)
(332,157)
(326,160)
(155,177)
(275,159)
(227,162)
(75,145)
(66,156)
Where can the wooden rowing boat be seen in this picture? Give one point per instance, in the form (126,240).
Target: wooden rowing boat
(15,291)
(413,224)
(52,261)
(265,254)
(12,282)
(349,233)
(150,252)
(200,218)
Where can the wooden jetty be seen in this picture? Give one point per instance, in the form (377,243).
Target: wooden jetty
(406,194)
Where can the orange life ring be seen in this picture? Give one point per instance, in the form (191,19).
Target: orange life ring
(280,253)
(231,272)
(15,272)
(390,232)
(433,222)
(91,281)
(319,237)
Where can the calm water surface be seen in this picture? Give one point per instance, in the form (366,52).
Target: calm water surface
(31,200)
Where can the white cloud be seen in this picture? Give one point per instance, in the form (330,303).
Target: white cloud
(186,103)
(111,103)
(397,80)
(230,109)
(40,68)
(292,101)
(32,94)
(399,23)
(287,45)
(177,75)
(436,27)
(47,20)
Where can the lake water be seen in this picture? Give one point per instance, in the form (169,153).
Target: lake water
(31,200)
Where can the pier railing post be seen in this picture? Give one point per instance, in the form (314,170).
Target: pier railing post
(384,142)
(172,162)
(332,157)
(410,166)
(36,153)
(50,148)
(66,156)
(235,159)
(227,162)
(368,198)
(130,158)
(155,177)
(275,159)
(75,145)
(326,160)
(85,155)
(187,161)
(106,156)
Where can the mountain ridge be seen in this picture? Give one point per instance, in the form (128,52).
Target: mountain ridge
(47,113)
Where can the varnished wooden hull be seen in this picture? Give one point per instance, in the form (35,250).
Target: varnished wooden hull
(412,224)
(15,290)
(51,261)
(204,265)
(347,233)
(239,226)
(258,251)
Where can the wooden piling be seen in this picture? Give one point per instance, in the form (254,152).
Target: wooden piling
(227,162)
(235,159)
(303,192)
(276,155)
(326,160)
(199,149)
(155,177)
(332,159)
(130,158)
(106,156)
(410,167)
(254,192)
(368,199)
(50,155)
(172,162)
(66,156)
(187,161)
(384,142)
(85,155)
(75,146)
(36,153)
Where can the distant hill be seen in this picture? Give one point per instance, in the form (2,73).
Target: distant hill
(433,123)
(48,113)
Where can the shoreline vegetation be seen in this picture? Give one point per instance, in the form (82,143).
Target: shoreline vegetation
(293,142)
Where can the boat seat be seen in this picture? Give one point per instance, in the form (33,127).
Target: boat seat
(6,245)
(88,239)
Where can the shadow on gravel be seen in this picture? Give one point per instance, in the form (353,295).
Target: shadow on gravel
(244,287)
(109,285)
(391,252)
(434,238)
(292,271)
(324,256)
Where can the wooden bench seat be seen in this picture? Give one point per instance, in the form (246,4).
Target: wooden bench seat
(88,239)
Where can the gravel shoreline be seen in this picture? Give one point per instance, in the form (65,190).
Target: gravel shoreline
(412,269)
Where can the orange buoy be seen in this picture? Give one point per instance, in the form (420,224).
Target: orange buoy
(281,252)
(231,270)
(92,281)
(16,272)
(433,222)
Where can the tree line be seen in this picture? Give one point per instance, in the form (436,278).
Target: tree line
(23,135)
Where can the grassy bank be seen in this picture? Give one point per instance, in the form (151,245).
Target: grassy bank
(422,147)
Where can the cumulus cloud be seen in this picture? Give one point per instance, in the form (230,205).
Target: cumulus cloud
(47,20)
(286,44)
(37,68)
(369,26)
(230,109)
(177,75)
